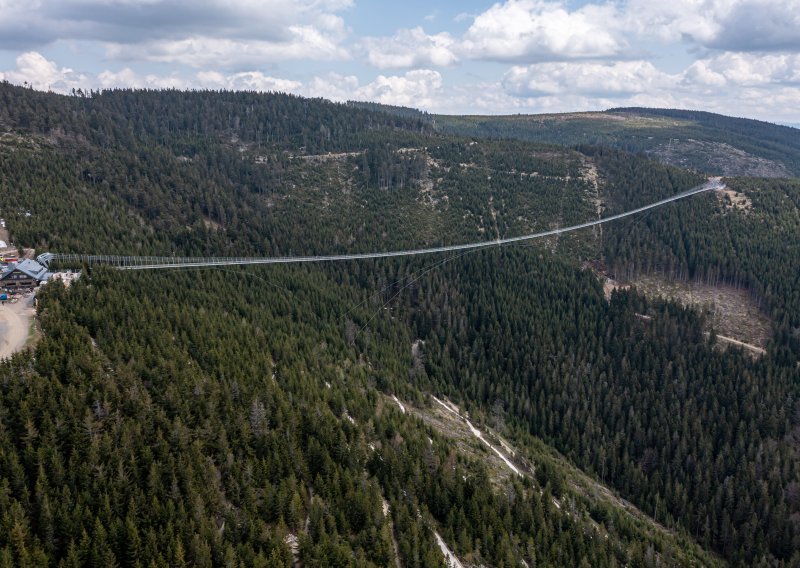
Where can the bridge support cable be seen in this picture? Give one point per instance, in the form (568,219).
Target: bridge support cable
(154,262)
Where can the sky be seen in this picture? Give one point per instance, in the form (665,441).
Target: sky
(735,57)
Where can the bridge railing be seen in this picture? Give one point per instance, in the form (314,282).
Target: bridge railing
(120,261)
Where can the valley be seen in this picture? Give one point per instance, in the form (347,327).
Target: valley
(491,401)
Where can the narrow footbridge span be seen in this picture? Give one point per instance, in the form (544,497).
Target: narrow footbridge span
(153,262)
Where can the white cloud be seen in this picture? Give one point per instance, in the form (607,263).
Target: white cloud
(411,48)
(735,25)
(535,31)
(305,42)
(421,88)
(147,19)
(701,73)
(745,69)
(675,20)
(620,78)
(517,31)
(246,81)
(524,29)
(178,30)
(417,88)
(35,70)
(765,87)
(714,76)
(129,78)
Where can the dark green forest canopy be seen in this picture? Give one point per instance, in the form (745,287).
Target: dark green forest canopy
(132,118)
(201,417)
(142,429)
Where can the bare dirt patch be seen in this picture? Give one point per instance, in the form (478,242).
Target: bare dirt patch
(718,157)
(591,176)
(330,156)
(13,142)
(446,419)
(731,200)
(212,225)
(752,348)
(609,285)
(16,320)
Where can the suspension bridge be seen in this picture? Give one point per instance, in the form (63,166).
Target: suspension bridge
(156,262)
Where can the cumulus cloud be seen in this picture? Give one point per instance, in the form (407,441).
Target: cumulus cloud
(305,42)
(546,55)
(523,29)
(35,70)
(629,78)
(740,84)
(176,29)
(620,78)
(411,48)
(734,84)
(130,21)
(745,69)
(676,20)
(246,81)
(733,25)
(514,31)
(421,88)
(418,88)
(129,78)
(769,25)
(533,31)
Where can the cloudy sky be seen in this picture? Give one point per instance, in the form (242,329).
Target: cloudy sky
(737,57)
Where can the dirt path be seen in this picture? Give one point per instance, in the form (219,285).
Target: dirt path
(753,348)
(450,558)
(15,325)
(395,546)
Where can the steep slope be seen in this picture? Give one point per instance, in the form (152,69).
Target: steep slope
(181,417)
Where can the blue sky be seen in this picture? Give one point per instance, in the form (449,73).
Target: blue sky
(737,57)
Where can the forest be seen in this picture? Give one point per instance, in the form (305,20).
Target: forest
(244,416)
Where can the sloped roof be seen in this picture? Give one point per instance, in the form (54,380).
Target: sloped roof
(30,268)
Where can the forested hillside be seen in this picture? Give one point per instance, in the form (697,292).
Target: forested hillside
(702,141)
(263,416)
(629,390)
(236,181)
(752,246)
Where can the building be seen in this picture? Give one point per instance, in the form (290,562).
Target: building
(25,274)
